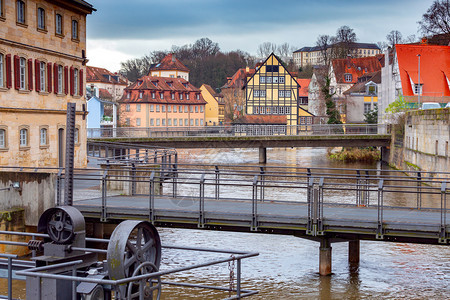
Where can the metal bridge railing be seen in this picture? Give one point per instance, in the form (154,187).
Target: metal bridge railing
(237,130)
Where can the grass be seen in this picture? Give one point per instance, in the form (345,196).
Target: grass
(355,154)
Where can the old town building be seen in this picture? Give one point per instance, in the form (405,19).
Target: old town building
(215,106)
(42,68)
(110,85)
(161,102)
(171,67)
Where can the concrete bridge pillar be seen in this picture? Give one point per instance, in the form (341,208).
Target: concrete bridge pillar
(262,155)
(353,253)
(325,257)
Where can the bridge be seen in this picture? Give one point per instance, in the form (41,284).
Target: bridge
(324,205)
(248,136)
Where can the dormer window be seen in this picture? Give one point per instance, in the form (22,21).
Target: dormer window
(187,96)
(169,83)
(185,85)
(153,95)
(348,77)
(140,95)
(173,96)
(372,90)
(155,83)
(128,95)
(181,96)
(418,89)
(198,96)
(161,95)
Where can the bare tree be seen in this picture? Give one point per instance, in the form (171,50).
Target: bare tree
(204,47)
(410,39)
(437,18)
(382,45)
(394,37)
(284,51)
(343,42)
(324,43)
(265,49)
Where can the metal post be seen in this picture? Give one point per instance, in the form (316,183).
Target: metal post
(74,284)
(443,231)
(174,180)
(217,186)
(419,190)
(310,195)
(358,188)
(151,200)
(133,179)
(238,279)
(10,258)
(366,190)
(320,207)
(201,220)
(103,217)
(70,151)
(254,225)
(262,183)
(380,210)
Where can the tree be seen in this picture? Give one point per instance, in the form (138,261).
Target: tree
(343,42)
(135,68)
(371,117)
(284,51)
(324,43)
(204,47)
(394,37)
(333,114)
(437,18)
(265,49)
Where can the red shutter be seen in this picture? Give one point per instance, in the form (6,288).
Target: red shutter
(72,86)
(49,77)
(30,74)
(37,74)
(55,78)
(16,72)
(80,79)
(66,80)
(8,71)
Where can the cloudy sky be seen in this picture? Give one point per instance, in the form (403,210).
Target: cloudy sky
(120,30)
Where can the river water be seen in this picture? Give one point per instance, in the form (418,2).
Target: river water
(287,267)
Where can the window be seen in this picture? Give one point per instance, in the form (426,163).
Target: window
(180,122)
(348,77)
(281,93)
(128,95)
(151,107)
(161,95)
(181,96)
(268,79)
(152,122)
(20,12)
(262,79)
(23,136)
(42,76)
(186,122)
(59,24)
(174,108)
(157,122)
(196,122)
(418,89)
(43,137)
(256,93)
(2,72)
(138,107)
(196,109)
(41,18)
(127,121)
(153,95)
(75,82)
(201,108)
(180,108)
(372,90)
(74,30)
(173,96)
(3,139)
(138,121)
(60,79)
(169,108)
(22,72)
(163,108)
(201,122)
(175,122)
(187,96)
(185,109)
(198,96)
(367,107)
(270,68)
(191,109)
(169,122)
(127,107)
(157,108)
(140,95)
(275,80)
(192,122)
(281,79)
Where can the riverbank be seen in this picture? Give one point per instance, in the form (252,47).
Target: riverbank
(353,154)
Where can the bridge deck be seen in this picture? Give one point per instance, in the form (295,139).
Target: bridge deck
(340,221)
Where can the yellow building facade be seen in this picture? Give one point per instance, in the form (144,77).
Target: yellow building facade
(215,106)
(42,68)
(272,90)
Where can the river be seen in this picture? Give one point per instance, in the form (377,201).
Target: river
(287,267)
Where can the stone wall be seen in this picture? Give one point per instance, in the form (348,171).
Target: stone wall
(36,193)
(420,141)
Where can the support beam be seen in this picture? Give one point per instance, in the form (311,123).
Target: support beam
(353,253)
(262,155)
(325,257)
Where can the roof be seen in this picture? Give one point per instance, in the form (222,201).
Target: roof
(95,74)
(352,45)
(169,63)
(104,94)
(161,84)
(434,68)
(303,89)
(239,79)
(262,119)
(101,100)
(355,66)
(360,87)
(211,90)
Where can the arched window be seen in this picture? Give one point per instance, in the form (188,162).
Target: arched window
(74,29)
(43,137)
(23,137)
(59,24)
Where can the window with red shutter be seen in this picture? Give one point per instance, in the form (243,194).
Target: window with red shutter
(49,77)
(80,90)
(66,80)
(55,78)
(8,71)
(37,77)
(30,74)
(72,88)
(16,72)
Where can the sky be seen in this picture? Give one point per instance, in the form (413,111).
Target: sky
(121,30)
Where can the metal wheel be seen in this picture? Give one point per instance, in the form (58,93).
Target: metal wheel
(144,287)
(131,244)
(61,224)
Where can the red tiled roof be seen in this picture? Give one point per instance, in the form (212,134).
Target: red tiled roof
(149,84)
(239,79)
(104,94)
(354,66)
(95,74)
(434,68)
(303,89)
(170,62)
(263,119)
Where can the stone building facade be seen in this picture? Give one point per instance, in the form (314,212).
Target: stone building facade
(42,68)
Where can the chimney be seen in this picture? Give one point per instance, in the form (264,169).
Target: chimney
(247,69)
